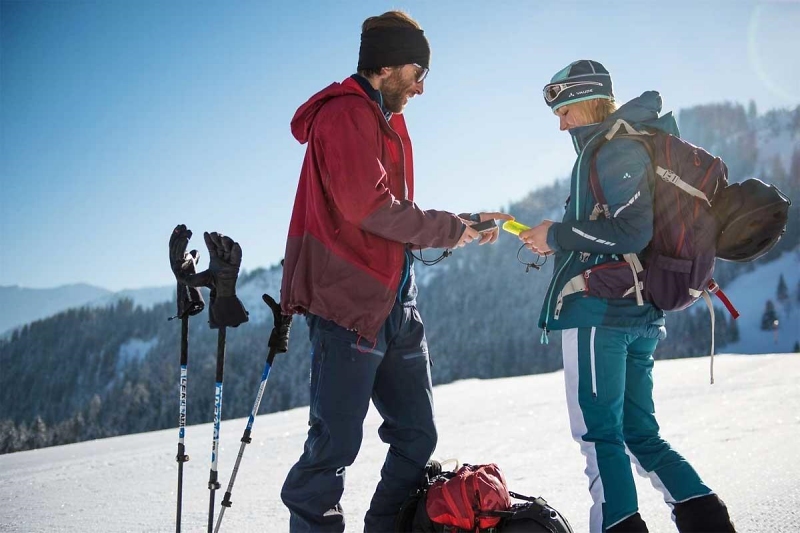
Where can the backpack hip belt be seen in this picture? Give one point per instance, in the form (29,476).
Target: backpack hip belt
(581,283)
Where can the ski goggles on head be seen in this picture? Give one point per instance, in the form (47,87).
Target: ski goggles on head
(422,72)
(553,90)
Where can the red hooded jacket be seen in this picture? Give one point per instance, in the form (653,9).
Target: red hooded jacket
(353,212)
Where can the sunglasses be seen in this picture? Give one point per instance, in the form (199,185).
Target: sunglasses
(422,72)
(552,91)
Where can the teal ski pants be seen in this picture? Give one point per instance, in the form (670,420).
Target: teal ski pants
(609,384)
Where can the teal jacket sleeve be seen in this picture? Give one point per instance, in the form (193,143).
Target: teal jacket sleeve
(625,173)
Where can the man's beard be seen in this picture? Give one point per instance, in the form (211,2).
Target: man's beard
(394,91)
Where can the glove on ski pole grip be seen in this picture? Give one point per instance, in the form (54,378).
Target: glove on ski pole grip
(225,258)
(279,338)
(183,264)
(190,300)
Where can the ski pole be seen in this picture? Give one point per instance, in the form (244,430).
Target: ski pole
(213,484)
(190,302)
(278,343)
(182,457)
(225,310)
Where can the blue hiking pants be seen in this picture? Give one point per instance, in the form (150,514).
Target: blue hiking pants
(346,372)
(609,384)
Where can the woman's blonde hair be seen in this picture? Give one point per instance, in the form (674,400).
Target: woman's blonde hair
(596,110)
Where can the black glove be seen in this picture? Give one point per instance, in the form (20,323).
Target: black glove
(225,258)
(190,301)
(279,338)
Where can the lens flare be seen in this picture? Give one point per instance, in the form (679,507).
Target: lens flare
(765,39)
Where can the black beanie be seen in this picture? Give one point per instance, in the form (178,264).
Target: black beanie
(393,46)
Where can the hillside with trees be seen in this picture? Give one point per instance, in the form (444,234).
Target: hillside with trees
(98,372)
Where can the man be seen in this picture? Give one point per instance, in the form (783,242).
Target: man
(349,269)
(608,343)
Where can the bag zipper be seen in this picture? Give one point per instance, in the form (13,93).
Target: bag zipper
(587,273)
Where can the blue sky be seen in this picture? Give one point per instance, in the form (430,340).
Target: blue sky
(120,119)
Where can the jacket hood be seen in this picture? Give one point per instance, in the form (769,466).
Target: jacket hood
(642,111)
(304,116)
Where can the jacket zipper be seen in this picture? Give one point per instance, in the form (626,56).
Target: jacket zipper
(544,339)
(395,137)
(593,364)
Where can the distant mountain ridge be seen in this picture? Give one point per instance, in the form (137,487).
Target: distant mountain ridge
(23,305)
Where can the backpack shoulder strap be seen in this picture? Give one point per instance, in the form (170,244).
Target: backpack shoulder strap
(642,136)
(597,190)
(665,174)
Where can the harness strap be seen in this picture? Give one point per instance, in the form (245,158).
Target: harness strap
(576,284)
(631,290)
(707,299)
(670,177)
(636,267)
(713,288)
(633,260)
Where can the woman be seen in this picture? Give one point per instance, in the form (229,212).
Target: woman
(608,343)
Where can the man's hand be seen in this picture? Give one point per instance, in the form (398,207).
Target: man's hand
(486,237)
(535,239)
(468,236)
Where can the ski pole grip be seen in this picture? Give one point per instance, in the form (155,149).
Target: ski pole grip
(190,301)
(279,338)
